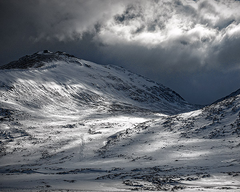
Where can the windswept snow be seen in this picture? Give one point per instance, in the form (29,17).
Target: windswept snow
(70,124)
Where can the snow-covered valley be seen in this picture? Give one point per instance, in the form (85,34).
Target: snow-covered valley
(71,125)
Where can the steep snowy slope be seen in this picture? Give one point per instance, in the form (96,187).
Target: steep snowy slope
(46,81)
(69,124)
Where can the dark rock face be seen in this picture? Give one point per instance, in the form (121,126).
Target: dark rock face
(36,60)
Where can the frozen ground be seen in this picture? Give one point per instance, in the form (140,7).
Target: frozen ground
(65,130)
(113,153)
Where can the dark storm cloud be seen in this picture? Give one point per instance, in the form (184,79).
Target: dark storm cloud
(191,46)
(130,13)
(28,26)
(45,19)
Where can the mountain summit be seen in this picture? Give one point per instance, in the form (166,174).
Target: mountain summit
(37,60)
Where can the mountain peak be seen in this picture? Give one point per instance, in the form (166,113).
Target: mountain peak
(37,60)
(233,94)
(44,52)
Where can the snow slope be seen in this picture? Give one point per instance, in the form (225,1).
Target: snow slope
(71,80)
(70,124)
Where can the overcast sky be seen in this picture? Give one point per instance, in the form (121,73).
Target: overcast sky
(193,47)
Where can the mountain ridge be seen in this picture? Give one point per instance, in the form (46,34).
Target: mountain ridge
(233,94)
(41,58)
(115,80)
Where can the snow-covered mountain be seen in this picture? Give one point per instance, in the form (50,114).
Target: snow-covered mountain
(70,124)
(47,80)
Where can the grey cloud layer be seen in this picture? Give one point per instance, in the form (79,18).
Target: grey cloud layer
(206,29)
(54,19)
(187,45)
